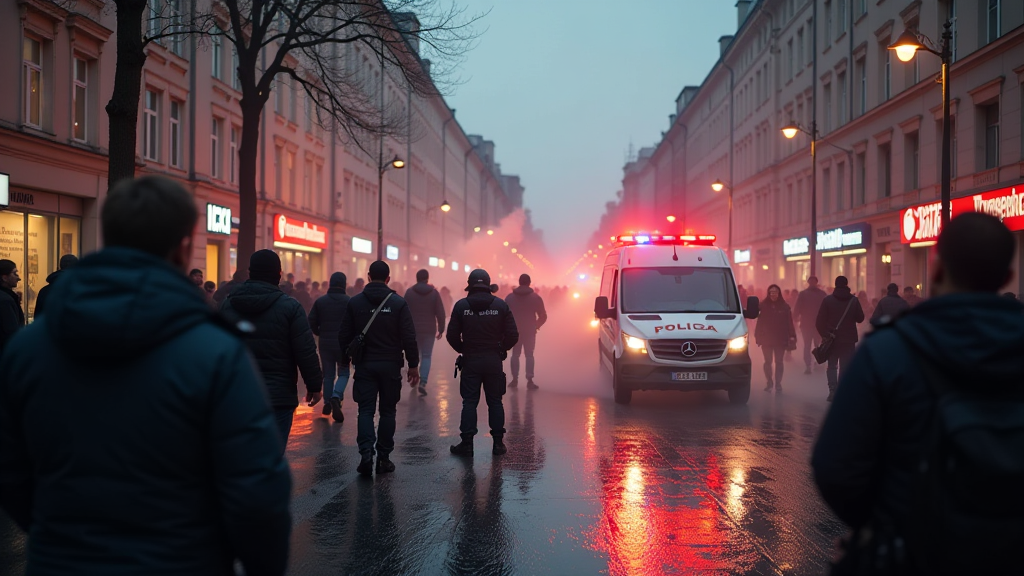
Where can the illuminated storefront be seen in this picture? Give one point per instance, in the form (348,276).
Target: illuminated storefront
(843,252)
(301,245)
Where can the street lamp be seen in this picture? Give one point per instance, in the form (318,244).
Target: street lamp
(396,163)
(718,186)
(446,207)
(671,218)
(790,131)
(476,229)
(906,46)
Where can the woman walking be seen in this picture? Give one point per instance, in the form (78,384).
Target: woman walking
(775,334)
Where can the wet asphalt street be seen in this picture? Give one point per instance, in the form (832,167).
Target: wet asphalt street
(672,484)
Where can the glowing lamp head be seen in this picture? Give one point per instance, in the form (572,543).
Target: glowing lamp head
(398,163)
(717,185)
(790,131)
(505,243)
(476,229)
(490,232)
(670,218)
(906,45)
(446,207)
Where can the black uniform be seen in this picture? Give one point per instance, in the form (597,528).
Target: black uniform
(483,330)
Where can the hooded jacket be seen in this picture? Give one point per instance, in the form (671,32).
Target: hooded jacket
(528,308)
(391,333)
(44,293)
(135,434)
(12,317)
(831,312)
(808,303)
(326,316)
(774,324)
(891,305)
(870,441)
(428,313)
(482,324)
(280,342)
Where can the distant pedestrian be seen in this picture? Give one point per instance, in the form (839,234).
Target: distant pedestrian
(805,313)
(910,295)
(446,298)
(12,317)
(429,316)
(314,291)
(287,288)
(483,330)
(378,370)
(528,308)
(67,262)
(135,436)
(301,293)
(889,308)
(839,315)
(325,320)
(281,339)
(196,276)
(921,451)
(355,288)
(743,295)
(209,288)
(775,334)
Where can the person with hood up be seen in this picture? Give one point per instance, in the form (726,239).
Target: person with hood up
(889,308)
(840,313)
(379,368)
(528,308)
(281,339)
(867,459)
(67,262)
(12,317)
(325,320)
(161,455)
(775,334)
(483,330)
(428,314)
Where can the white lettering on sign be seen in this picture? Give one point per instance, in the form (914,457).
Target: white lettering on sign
(795,246)
(218,219)
(391,252)
(687,326)
(304,232)
(836,239)
(922,223)
(361,245)
(1010,206)
(484,313)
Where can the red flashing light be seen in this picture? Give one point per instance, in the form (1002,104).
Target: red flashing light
(665,239)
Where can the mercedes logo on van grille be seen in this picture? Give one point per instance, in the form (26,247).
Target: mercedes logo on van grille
(688,349)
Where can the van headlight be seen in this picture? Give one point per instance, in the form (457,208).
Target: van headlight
(634,343)
(738,344)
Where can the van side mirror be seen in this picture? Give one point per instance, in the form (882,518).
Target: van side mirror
(753,308)
(601,309)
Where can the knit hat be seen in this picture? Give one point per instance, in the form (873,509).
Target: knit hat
(479,279)
(338,280)
(265,265)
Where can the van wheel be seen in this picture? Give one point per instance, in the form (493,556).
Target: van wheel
(739,395)
(623,393)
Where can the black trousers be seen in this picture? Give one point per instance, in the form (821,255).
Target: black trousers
(372,380)
(482,372)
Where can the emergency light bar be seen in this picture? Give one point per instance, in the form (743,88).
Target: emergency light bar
(665,239)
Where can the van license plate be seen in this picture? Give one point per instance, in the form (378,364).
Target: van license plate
(689,376)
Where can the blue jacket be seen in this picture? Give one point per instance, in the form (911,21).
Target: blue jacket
(135,434)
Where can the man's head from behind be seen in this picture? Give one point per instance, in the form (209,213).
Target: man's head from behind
(524,280)
(380,272)
(975,251)
(842,282)
(152,214)
(68,261)
(812,281)
(265,266)
(422,275)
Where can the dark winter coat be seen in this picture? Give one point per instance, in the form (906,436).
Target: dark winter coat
(831,312)
(805,313)
(428,313)
(135,434)
(225,290)
(304,299)
(774,324)
(482,324)
(391,333)
(891,305)
(326,316)
(870,441)
(12,317)
(281,340)
(44,293)
(528,308)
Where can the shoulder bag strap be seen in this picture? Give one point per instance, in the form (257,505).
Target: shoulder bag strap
(845,312)
(375,312)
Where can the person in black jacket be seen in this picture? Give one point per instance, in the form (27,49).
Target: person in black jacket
(867,457)
(12,317)
(805,313)
(775,334)
(834,317)
(281,339)
(325,320)
(161,455)
(67,262)
(483,330)
(379,370)
(528,309)
(428,314)
(890,307)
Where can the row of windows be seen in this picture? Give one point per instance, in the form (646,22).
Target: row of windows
(35,83)
(153,137)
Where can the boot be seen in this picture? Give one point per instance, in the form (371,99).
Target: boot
(384,464)
(464,448)
(336,410)
(530,385)
(366,464)
(831,393)
(499,446)
(327,407)
(514,382)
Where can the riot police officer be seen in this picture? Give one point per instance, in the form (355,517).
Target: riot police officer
(482,330)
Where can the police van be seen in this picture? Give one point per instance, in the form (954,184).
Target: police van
(671,318)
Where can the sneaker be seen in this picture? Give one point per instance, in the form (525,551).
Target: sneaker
(385,465)
(423,391)
(514,382)
(336,410)
(327,407)
(464,448)
(499,446)
(531,386)
(365,465)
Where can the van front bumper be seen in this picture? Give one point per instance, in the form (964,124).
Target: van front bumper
(639,372)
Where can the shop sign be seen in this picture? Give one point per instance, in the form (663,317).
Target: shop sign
(923,223)
(796,246)
(741,256)
(298,232)
(391,252)
(362,245)
(5,189)
(432,261)
(218,219)
(845,238)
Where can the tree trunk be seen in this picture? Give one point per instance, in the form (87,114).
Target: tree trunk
(123,107)
(248,163)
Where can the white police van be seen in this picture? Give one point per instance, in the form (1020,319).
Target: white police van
(671,319)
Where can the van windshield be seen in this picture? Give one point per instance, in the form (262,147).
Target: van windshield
(678,290)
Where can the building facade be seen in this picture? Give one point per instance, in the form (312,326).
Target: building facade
(317,193)
(879,121)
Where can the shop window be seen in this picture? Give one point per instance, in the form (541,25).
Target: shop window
(32,56)
(35,243)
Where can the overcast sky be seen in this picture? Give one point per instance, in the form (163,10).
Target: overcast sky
(563,86)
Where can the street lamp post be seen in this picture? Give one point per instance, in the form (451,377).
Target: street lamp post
(790,132)
(717,186)
(906,46)
(398,164)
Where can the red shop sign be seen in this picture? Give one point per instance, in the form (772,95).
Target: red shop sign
(299,232)
(923,223)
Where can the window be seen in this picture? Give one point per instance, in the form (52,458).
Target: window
(886,72)
(176,41)
(215,148)
(841,8)
(175,129)
(80,106)
(810,44)
(790,70)
(155,15)
(233,156)
(828,22)
(657,290)
(885,170)
(952,147)
(236,82)
(911,155)
(307,185)
(800,48)
(293,101)
(828,107)
(289,183)
(279,87)
(860,68)
(840,186)
(842,98)
(318,188)
(862,7)
(217,46)
(150,127)
(826,191)
(992,16)
(32,55)
(860,190)
(278,172)
(308,102)
(991,113)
